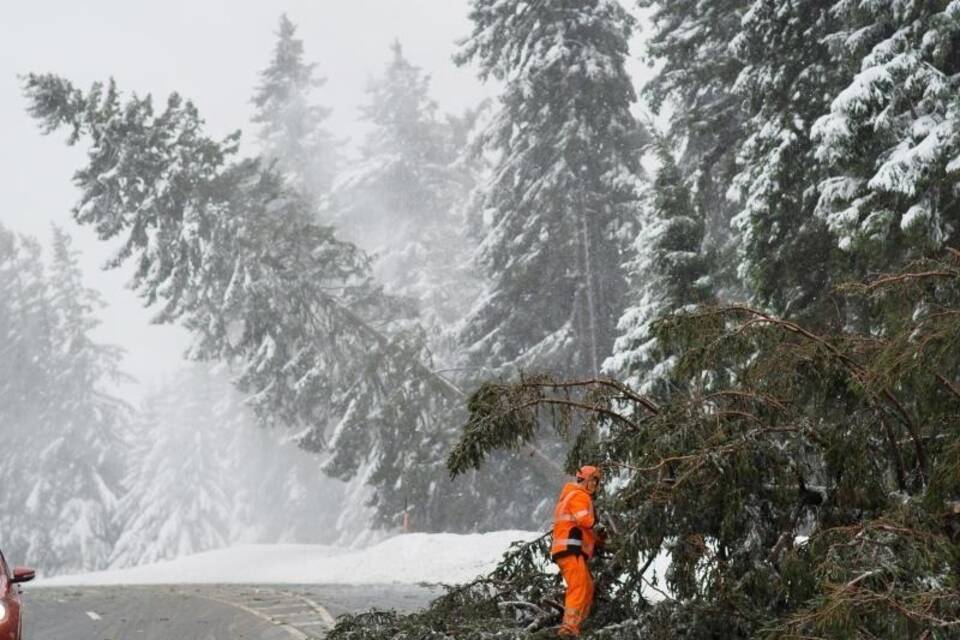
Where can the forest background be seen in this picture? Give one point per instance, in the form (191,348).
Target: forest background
(503,268)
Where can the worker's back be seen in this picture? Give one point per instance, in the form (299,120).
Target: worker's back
(573,520)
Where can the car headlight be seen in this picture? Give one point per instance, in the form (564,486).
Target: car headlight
(3,612)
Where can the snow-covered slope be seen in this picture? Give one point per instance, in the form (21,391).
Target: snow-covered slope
(410,558)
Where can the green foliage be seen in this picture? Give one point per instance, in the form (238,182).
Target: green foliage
(804,485)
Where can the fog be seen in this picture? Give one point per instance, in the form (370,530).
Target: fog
(211,52)
(327,383)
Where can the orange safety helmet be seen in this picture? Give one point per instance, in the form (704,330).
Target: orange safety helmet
(586,472)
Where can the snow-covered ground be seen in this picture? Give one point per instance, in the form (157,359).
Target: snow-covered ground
(409,559)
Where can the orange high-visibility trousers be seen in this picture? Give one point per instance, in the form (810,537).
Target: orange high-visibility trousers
(579,598)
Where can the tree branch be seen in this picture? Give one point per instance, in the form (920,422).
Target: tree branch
(648,404)
(953,388)
(856,370)
(903,277)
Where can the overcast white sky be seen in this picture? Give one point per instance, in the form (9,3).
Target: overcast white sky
(210,51)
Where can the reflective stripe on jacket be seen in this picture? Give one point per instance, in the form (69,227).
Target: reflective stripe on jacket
(573,523)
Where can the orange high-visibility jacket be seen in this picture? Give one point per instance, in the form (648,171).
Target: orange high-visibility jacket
(573,523)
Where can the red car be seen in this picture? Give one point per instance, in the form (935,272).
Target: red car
(11,616)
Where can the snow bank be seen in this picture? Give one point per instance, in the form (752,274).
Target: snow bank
(409,559)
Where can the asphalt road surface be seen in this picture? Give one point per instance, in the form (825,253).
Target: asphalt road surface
(205,612)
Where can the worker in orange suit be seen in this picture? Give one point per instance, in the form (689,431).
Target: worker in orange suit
(574,542)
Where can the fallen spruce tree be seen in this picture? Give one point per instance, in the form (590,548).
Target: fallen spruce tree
(804,484)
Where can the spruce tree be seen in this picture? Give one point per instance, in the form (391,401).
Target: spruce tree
(27,400)
(177,498)
(672,272)
(228,249)
(292,129)
(402,200)
(693,90)
(786,252)
(890,137)
(744,82)
(28,333)
(57,412)
(79,459)
(203,475)
(564,184)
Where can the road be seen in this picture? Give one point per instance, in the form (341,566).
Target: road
(205,612)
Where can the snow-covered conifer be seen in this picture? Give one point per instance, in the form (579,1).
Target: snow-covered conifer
(175,501)
(26,324)
(79,458)
(403,199)
(203,474)
(670,273)
(787,76)
(891,137)
(58,418)
(292,129)
(693,89)
(26,392)
(564,184)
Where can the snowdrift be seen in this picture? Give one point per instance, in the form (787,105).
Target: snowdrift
(406,559)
